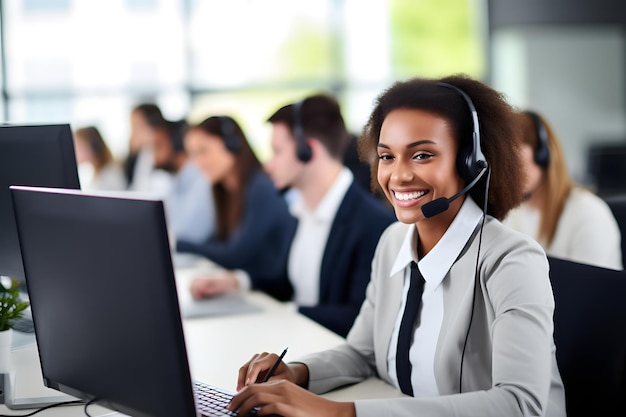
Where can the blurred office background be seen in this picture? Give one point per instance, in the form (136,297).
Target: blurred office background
(89,62)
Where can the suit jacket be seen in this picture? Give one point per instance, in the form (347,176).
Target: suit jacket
(260,244)
(509,366)
(347,259)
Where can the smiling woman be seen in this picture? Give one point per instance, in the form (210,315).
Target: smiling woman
(496,129)
(458,312)
(412,172)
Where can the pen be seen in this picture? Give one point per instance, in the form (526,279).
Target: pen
(273,368)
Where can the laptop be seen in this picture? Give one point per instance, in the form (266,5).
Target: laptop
(104,303)
(188,267)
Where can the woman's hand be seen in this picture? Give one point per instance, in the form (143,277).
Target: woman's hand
(288,400)
(256,369)
(208,286)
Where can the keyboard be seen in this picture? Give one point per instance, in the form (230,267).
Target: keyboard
(212,401)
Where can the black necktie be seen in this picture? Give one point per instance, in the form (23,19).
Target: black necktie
(407,328)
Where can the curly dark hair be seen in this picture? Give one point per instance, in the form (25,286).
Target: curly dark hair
(499,137)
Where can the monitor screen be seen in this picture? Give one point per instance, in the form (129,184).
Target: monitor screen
(607,167)
(104,300)
(34,155)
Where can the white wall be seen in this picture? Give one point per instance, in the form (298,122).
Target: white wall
(574,76)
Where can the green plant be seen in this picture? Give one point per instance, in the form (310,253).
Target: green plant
(11,306)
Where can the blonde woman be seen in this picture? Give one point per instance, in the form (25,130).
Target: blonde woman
(568,220)
(92,151)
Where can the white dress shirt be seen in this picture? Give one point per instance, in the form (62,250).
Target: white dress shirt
(434,267)
(309,242)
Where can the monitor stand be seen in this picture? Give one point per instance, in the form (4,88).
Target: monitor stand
(8,396)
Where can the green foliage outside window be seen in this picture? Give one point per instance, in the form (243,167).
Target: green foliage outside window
(435,38)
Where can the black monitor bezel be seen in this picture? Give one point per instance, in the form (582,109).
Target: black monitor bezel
(37,139)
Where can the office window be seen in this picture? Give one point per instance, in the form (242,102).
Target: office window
(437,37)
(141,5)
(43,74)
(247,42)
(144,74)
(41,109)
(102,44)
(45,6)
(86,59)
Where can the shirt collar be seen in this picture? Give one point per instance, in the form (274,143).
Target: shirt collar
(436,264)
(327,208)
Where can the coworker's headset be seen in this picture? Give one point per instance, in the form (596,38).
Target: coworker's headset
(303,149)
(229,135)
(176,130)
(471,162)
(542,151)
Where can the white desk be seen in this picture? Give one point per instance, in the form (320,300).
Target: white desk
(217,347)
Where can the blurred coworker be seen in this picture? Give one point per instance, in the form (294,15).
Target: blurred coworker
(189,203)
(145,119)
(253,224)
(569,221)
(339,222)
(97,167)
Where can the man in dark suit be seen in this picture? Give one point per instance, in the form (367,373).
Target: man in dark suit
(339,222)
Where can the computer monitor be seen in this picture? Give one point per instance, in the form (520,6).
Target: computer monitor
(33,155)
(104,300)
(607,168)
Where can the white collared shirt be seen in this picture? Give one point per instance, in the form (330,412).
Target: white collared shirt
(309,242)
(434,267)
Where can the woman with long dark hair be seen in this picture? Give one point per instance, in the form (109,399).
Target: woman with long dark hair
(253,224)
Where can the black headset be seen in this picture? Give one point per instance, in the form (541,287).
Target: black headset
(542,151)
(470,160)
(303,150)
(229,135)
(472,164)
(176,130)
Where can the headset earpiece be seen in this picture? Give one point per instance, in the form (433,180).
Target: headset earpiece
(176,131)
(96,146)
(464,163)
(471,161)
(542,151)
(303,149)
(231,140)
